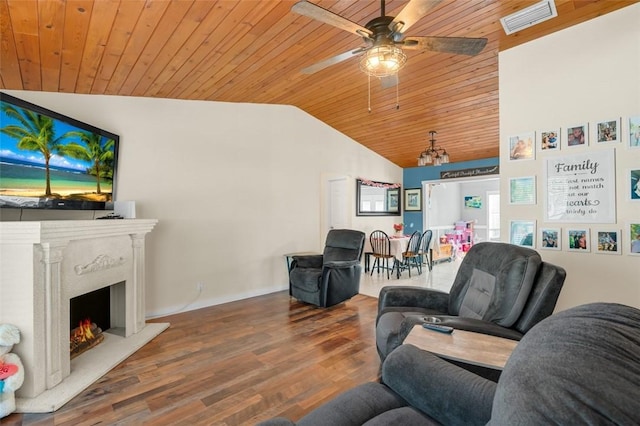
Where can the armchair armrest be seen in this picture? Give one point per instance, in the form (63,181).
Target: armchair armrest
(445,392)
(414,297)
(309,261)
(481,326)
(277,421)
(339,264)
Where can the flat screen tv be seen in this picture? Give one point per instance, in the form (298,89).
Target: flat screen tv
(51,161)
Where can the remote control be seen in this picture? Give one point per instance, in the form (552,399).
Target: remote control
(440,328)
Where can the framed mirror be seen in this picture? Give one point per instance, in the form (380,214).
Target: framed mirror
(378,198)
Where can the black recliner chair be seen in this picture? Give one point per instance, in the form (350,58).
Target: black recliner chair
(332,277)
(500,289)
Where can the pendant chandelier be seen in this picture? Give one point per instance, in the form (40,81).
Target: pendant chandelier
(432,154)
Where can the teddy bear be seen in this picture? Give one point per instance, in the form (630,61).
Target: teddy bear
(11,369)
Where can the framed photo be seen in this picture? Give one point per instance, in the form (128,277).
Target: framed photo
(634,132)
(393,199)
(549,140)
(522,190)
(578,240)
(634,184)
(472,202)
(608,131)
(550,239)
(521,146)
(606,241)
(522,233)
(413,199)
(633,231)
(577,135)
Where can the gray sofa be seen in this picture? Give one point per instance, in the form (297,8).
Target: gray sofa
(580,366)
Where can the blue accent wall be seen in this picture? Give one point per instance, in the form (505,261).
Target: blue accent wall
(414,176)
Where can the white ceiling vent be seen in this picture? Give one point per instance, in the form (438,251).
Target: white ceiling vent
(529,17)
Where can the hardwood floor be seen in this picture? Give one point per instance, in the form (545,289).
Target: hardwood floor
(233,364)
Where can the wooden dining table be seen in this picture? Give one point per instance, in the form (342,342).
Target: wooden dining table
(398,247)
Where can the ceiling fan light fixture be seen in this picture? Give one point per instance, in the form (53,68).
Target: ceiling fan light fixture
(383,60)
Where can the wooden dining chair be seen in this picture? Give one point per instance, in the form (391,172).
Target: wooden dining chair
(411,256)
(425,252)
(381,252)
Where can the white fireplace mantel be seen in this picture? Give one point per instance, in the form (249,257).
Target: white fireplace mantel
(44,265)
(57,231)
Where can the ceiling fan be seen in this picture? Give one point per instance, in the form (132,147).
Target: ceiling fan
(382,54)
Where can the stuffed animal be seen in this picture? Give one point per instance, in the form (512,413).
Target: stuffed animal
(11,369)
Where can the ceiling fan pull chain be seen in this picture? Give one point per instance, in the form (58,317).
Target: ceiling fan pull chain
(397,91)
(369,98)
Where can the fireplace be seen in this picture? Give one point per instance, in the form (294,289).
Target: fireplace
(95,305)
(47,264)
(90,316)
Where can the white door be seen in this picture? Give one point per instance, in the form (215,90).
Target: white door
(337,207)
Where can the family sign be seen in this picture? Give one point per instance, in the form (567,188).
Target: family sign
(581,187)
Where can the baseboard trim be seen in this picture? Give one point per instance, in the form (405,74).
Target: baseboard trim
(205,303)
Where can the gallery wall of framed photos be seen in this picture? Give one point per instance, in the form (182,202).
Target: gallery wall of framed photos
(570,155)
(577,187)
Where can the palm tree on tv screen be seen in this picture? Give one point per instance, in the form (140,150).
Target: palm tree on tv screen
(96,151)
(36,133)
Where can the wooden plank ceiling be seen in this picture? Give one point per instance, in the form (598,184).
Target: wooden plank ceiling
(252,51)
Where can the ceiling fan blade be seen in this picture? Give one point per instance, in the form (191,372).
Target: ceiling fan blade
(457,45)
(332,61)
(318,13)
(412,12)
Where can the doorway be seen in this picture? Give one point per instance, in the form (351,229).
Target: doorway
(447,202)
(336,199)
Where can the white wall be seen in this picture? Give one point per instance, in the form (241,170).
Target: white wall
(234,186)
(479,215)
(447,201)
(444,206)
(478,188)
(587,73)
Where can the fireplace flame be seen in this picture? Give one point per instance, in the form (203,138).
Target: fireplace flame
(83,332)
(84,337)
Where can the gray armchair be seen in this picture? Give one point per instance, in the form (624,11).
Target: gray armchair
(332,277)
(500,289)
(580,366)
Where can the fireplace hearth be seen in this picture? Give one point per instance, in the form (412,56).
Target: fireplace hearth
(46,264)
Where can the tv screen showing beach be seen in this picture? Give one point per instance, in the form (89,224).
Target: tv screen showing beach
(48,160)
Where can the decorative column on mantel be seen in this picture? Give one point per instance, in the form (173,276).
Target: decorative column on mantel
(52,259)
(45,264)
(137,242)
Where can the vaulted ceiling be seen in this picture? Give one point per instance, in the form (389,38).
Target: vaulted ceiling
(253,51)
